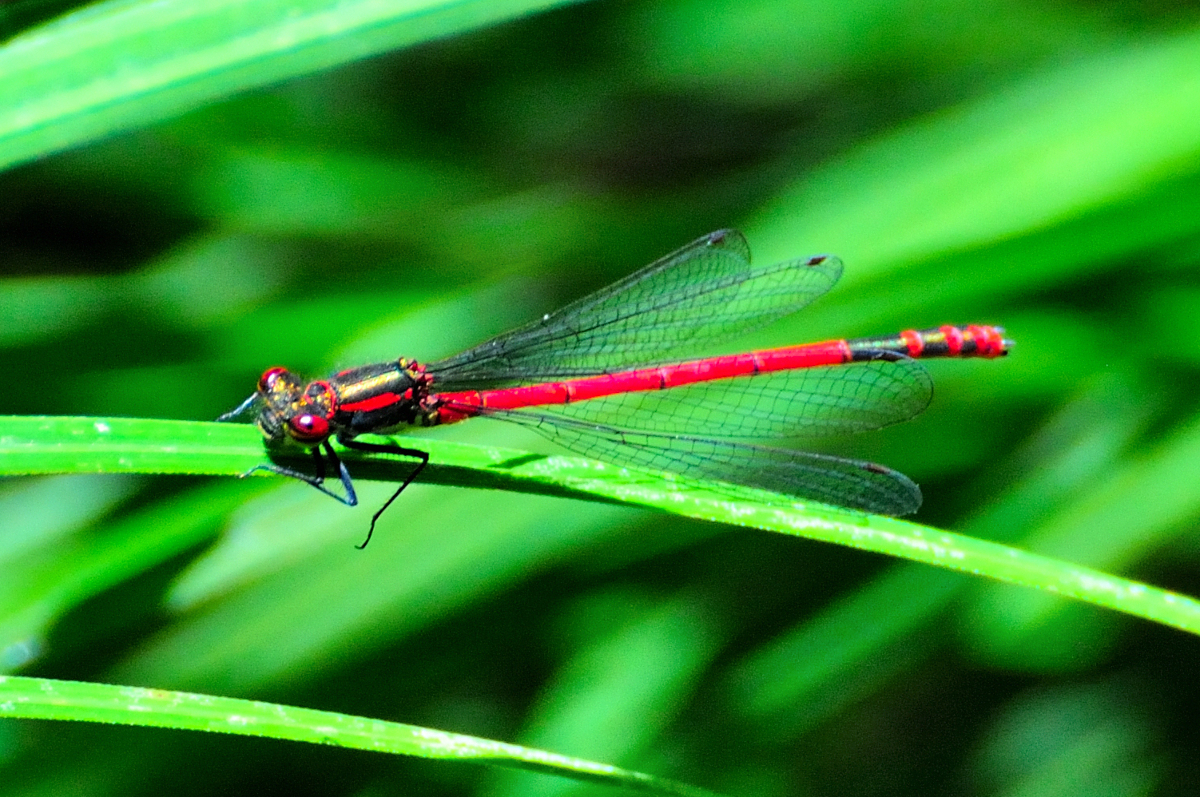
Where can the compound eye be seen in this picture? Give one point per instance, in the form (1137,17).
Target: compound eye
(267,381)
(309,428)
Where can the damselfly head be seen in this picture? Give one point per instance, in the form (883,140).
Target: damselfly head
(309,418)
(280,393)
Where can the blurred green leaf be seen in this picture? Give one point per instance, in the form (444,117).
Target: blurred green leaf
(1068,737)
(125,63)
(620,691)
(51,579)
(1042,152)
(707,45)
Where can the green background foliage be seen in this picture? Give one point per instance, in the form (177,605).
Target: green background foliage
(247,190)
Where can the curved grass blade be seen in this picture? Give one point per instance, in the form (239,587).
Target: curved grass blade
(44,698)
(45,445)
(124,63)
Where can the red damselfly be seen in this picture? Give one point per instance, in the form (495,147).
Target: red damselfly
(607,377)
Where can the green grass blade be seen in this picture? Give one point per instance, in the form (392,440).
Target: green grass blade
(43,698)
(45,445)
(124,64)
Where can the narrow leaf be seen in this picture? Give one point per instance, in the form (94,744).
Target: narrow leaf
(45,445)
(44,698)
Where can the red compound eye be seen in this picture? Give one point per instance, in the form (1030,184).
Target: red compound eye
(309,427)
(267,380)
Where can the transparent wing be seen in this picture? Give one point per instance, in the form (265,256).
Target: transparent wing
(831,480)
(705,291)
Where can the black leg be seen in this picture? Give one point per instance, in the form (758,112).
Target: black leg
(318,481)
(388,448)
